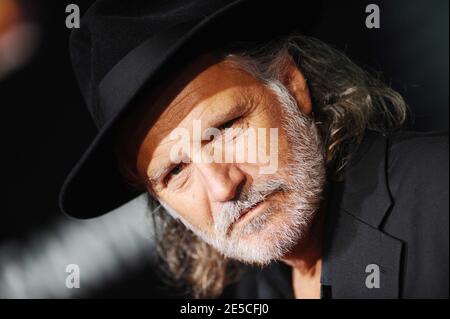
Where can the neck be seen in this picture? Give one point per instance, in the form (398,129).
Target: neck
(305,255)
(306,260)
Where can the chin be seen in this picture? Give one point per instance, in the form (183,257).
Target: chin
(279,235)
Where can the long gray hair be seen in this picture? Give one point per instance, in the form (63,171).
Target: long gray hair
(347,101)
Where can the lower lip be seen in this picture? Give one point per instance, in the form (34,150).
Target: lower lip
(253,211)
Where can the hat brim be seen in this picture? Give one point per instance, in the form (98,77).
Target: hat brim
(95,187)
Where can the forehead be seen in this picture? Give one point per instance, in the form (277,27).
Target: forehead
(218,81)
(203,94)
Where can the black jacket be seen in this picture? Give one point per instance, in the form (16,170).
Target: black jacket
(391,211)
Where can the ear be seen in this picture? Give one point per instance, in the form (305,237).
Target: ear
(295,82)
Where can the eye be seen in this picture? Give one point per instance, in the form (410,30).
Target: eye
(228,124)
(178,175)
(177,169)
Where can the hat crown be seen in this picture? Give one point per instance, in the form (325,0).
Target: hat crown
(112,28)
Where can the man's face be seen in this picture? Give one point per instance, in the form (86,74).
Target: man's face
(252,202)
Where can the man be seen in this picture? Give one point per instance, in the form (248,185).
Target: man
(263,147)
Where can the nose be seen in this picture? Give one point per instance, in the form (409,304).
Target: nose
(222,181)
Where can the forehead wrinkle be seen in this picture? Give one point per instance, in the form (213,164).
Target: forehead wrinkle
(179,109)
(203,109)
(194,94)
(181,106)
(158,135)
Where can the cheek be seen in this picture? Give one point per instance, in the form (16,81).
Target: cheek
(278,152)
(274,120)
(191,204)
(283,147)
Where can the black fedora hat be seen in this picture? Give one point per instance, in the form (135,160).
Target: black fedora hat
(124,46)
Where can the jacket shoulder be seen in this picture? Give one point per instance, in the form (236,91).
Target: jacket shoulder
(417,176)
(418,163)
(416,152)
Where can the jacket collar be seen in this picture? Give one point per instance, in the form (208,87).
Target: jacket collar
(365,190)
(354,243)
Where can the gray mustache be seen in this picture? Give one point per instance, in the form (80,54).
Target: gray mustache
(256,193)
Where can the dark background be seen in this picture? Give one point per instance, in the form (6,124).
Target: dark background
(45,126)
